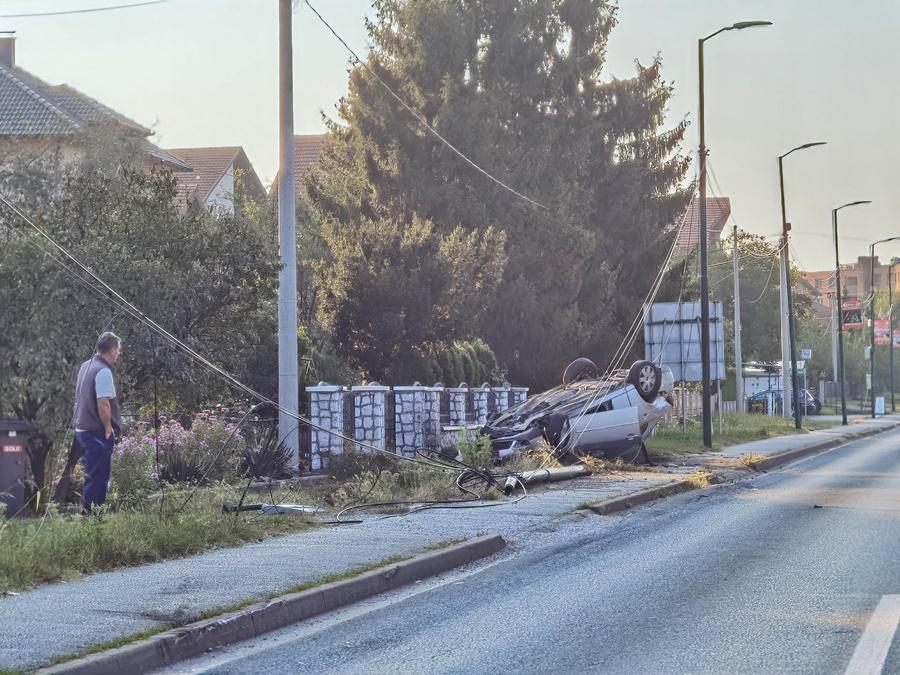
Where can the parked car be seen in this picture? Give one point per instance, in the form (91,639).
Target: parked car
(607,417)
(811,405)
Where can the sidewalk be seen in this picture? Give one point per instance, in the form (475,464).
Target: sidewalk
(62,618)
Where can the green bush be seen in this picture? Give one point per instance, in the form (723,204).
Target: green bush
(475,451)
(133,474)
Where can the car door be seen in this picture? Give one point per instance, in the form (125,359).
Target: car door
(612,426)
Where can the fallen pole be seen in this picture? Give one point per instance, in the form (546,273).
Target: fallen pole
(544,476)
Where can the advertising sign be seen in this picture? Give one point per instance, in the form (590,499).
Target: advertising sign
(882,332)
(897,338)
(851,314)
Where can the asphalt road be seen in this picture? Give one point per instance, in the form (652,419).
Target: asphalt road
(781,573)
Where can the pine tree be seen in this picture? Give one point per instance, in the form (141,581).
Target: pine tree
(518,86)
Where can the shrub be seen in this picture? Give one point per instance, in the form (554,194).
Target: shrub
(266,457)
(133,470)
(476,451)
(205,453)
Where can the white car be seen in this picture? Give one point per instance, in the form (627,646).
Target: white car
(605,417)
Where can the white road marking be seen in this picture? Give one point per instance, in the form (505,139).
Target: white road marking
(875,643)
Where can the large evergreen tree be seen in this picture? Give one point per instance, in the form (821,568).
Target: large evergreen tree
(518,86)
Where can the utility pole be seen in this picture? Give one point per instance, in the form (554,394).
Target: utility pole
(872,318)
(288,356)
(738,360)
(834,334)
(891,328)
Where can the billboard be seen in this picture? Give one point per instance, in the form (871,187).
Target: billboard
(851,313)
(882,332)
(672,338)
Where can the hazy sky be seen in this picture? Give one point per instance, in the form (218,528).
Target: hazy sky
(204,72)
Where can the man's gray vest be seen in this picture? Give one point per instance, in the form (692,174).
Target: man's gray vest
(86,417)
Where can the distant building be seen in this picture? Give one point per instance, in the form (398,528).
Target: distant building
(220,177)
(856,280)
(718,210)
(36,116)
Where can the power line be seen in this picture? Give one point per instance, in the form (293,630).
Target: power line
(418,117)
(85,10)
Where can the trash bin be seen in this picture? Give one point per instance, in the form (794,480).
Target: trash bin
(13,463)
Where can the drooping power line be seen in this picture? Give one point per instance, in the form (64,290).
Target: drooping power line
(84,10)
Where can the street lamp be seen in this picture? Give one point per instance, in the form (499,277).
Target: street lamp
(704,279)
(840,315)
(891,328)
(872,317)
(787,296)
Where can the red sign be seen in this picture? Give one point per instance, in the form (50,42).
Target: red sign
(851,314)
(12,448)
(882,332)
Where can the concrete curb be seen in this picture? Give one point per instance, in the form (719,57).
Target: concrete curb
(774,461)
(626,502)
(643,497)
(179,644)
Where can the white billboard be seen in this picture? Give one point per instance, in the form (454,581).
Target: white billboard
(672,338)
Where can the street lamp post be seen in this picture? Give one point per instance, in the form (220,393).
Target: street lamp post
(872,319)
(840,315)
(704,278)
(891,329)
(787,296)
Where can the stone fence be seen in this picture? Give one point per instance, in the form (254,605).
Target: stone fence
(401,419)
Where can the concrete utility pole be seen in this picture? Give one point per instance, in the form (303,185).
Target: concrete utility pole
(738,360)
(288,356)
(834,338)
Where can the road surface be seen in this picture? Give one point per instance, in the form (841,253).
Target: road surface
(795,571)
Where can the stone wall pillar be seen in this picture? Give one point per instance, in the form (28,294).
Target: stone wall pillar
(409,419)
(432,417)
(501,399)
(368,415)
(326,408)
(517,395)
(480,404)
(457,398)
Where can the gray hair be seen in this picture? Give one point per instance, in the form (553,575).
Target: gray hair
(107,342)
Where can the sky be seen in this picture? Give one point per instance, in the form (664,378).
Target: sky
(204,72)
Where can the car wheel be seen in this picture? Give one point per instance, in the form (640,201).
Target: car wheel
(580,369)
(646,377)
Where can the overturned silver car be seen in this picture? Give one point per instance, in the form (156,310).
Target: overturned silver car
(607,417)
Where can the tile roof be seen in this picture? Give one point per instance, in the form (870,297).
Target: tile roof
(209,165)
(307,153)
(718,209)
(31,107)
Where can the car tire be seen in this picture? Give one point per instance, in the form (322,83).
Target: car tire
(646,377)
(580,369)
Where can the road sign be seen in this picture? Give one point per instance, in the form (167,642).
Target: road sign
(672,338)
(806,353)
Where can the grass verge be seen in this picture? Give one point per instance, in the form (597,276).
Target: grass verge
(64,546)
(736,428)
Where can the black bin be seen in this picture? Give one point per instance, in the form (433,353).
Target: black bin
(13,463)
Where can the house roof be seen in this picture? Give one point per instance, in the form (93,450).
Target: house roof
(718,209)
(307,152)
(30,107)
(209,165)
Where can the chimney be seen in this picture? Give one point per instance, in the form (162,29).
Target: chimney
(7,50)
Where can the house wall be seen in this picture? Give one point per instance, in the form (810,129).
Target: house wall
(222,195)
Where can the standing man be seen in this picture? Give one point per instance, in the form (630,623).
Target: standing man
(97,419)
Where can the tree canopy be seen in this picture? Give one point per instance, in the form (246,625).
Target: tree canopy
(519,87)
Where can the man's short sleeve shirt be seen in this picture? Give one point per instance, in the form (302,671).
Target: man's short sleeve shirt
(103,383)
